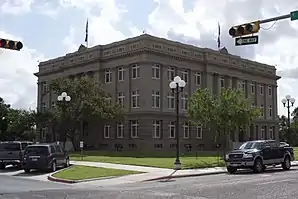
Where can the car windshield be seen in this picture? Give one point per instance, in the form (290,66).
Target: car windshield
(37,150)
(10,147)
(250,145)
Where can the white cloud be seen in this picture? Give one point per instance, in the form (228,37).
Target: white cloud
(15,7)
(17,82)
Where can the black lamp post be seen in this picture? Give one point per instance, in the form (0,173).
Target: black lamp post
(288,102)
(177,87)
(63,98)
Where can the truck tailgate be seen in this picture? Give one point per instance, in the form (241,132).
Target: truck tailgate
(9,155)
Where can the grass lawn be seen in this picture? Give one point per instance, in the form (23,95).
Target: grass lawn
(154,159)
(296,152)
(83,172)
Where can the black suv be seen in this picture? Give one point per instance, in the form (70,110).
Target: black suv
(45,157)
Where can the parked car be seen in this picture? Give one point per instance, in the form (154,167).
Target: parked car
(256,155)
(45,157)
(11,153)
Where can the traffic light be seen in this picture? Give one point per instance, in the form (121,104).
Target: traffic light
(245,29)
(9,44)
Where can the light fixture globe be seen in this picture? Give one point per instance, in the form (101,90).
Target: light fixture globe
(284,101)
(173,85)
(288,97)
(182,84)
(177,79)
(67,98)
(292,100)
(59,98)
(64,94)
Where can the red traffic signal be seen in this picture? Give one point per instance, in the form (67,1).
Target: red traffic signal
(9,44)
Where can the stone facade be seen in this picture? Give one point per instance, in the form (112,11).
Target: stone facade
(137,72)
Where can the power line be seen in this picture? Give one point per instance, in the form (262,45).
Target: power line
(270,26)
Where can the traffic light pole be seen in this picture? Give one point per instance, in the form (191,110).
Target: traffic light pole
(275,18)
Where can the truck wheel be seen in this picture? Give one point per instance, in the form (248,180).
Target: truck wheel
(286,165)
(2,166)
(232,170)
(258,166)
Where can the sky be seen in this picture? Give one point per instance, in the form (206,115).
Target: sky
(51,28)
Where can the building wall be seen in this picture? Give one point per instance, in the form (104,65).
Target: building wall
(144,53)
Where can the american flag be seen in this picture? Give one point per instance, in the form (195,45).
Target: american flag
(218,38)
(86,37)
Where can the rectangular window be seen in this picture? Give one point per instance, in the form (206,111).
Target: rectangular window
(156,128)
(185,75)
(270,111)
(155,71)
(53,105)
(155,99)
(252,88)
(134,126)
(253,105)
(121,98)
(171,73)
(171,100)
(135,70)
(108,76)
(199,131)
(184,101)
(261,89)
(185,130)
(44,87)
(120,74)
(262,110)
(262,132)
(222,82)
(172,127)
(43,107)
(135,99)
(120,130)
(198,79)
(107,131)
(271,133)
(269,90)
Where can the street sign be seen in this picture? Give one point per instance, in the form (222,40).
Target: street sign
(294,15)
(241,41)
(81,144)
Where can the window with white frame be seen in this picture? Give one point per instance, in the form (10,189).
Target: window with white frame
(155,99)
(185,75)
(108,76)
(222,82)
(185,130)
(135,99)
(171,73)
(171,100)
(134,127)
(121,74)
(121,98)
(270,111)
(263,132)
(120,130)
(184,101)
(135,71)
(155,71)
(198,78)
(241,85)
(156,128)
(44,87)
(199,131)
(252,88)
(172,127)
(230,83)
(107,131)
(253,105)
(269,90)
(262,110)
(261,89)
(271,133)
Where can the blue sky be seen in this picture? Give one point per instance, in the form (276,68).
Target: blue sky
(53,28)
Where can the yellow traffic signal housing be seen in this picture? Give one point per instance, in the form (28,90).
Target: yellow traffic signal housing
(245,29)
(9,44)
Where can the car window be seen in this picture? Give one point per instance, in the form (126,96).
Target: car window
(37,150)
(273,144)
(53,149)
(267,144)
(250,145)
(58,148)
(10,147)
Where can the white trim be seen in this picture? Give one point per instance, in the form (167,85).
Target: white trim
(171,73)
(222,82)
(262,110)
(134,124)
(135,68)
(120,71)
(171,100)
(121,98)
(155,99)
(108,76)
(198,78)
(262,132)
(269,90)
(172,126)
(156,71)
(271,132)
(156,128)
(270,111)
(261,89)
(199,131)
(185,127)
(107,131)
(252,88)
(184,75)
(135,94)
(120,130)
(184,101)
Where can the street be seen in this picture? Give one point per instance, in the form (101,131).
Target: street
(271,184)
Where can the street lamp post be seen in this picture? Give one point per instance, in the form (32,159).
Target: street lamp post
(288,102)
(63,98)
(177,87)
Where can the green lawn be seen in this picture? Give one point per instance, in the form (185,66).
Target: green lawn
(154,159)
(84,172)
(296,152)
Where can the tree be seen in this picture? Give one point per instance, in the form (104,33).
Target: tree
(4,108)
(223,113)
(88,102)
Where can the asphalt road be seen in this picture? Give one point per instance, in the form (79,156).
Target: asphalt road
(269,185)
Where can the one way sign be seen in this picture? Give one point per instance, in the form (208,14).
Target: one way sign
(241,41)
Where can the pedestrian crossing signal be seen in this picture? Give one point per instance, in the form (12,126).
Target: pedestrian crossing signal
(10,44)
